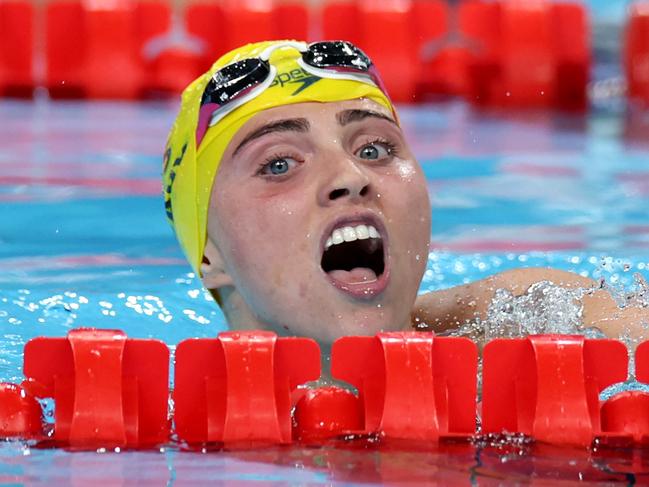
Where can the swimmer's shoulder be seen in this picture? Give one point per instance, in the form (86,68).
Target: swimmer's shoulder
(452,307)
(518,281)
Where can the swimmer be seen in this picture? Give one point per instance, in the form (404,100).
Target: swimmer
(295,196)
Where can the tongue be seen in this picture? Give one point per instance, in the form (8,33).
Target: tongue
(355,276)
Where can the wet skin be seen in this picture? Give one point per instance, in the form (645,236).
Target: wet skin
(294,173)
(289,177)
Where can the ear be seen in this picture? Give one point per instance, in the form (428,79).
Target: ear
(212,269)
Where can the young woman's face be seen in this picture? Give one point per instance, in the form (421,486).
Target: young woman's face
(321,214)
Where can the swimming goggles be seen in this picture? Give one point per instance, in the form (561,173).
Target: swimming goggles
(241,81)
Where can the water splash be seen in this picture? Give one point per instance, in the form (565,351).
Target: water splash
(544,308)
(550,308)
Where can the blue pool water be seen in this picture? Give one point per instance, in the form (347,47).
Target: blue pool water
(84,242)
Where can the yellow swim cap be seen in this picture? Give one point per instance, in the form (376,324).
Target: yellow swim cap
(189,170)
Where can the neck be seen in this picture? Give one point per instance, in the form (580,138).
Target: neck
(236,311)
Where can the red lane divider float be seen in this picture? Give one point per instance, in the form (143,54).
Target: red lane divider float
(636,52)
(226,27)
(222,28)
(16,52)
(237,387)
(20,413)
(96,49)
(326,412)
(412,385)
(628,412)
(504,53)
(411,24)
(527,53)
(548,386)
(110,391)
(125,49)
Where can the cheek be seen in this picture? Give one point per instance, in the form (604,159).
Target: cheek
(418,195)
(410,199)
(406,170)
(260,231)
(408,186)
(421,211)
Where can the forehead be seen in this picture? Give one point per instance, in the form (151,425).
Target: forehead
(314,112)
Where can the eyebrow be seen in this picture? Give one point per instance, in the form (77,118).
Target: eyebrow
(287,125)
(349,116)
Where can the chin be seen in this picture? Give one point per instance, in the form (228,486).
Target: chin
(365,321)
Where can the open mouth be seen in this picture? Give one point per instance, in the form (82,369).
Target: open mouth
(354,259)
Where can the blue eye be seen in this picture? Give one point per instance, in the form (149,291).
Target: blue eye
(374,151)
(280,166)
(277,166)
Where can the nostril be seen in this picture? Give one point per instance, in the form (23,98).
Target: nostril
(338,193)
(341,192)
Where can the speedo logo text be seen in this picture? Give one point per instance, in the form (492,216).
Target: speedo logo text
(298,77)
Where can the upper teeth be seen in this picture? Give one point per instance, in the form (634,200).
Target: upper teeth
(349,234)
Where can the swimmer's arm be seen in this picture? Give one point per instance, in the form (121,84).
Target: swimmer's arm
(451,308)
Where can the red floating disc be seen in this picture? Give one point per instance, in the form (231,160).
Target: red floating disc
(326,412)
(20,413)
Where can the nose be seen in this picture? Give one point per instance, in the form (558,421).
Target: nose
(347,181)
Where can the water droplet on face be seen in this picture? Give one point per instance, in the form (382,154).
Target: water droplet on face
(406,170)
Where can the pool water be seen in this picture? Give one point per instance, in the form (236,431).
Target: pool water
(84,242)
